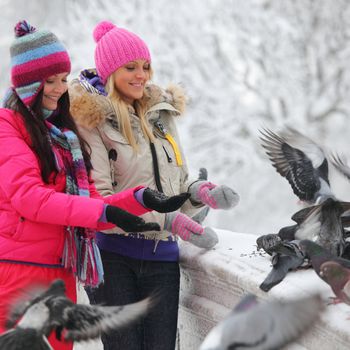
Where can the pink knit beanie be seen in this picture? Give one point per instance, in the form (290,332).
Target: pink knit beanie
(116,47)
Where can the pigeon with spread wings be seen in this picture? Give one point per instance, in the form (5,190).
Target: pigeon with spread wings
(301,161)
(51,311)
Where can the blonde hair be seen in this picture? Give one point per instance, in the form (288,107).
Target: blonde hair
(122,114)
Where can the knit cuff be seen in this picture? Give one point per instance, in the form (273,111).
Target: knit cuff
(139,196)
(103,217)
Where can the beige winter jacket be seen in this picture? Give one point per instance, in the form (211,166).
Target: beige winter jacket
(116,166)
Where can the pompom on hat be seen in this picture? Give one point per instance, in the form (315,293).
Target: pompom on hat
(116,47)
(35,55)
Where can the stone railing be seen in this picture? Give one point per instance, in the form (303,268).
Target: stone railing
(212,283)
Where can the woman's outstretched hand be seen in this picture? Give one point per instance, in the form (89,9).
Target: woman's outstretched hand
(161,203)
(183,226)
(129,222)
(216,197)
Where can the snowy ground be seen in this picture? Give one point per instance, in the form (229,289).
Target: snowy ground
(212,283)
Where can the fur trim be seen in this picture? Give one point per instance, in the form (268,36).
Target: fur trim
(88,109)
(179,99)
(173,95)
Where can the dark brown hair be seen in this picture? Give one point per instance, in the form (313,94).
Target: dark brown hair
(38,131)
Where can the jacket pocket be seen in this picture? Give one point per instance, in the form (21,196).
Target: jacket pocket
(114,135)
(121,155)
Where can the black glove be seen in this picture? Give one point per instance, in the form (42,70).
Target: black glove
(161,203)
(129,222)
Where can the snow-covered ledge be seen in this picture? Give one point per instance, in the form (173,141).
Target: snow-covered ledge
(213,282)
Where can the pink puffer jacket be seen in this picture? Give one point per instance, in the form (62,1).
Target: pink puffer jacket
(33,215)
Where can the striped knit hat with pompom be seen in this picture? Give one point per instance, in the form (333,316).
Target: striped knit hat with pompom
(35,55)
(116,47)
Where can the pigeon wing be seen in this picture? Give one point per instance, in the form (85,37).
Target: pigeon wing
(345,207)
(30,296)
(340,165)
(24,339)
(248,301)
(300,215)
(280,270)
(270,325)
(293,164)
(238,330)
(85,322)
(290,319)
(310,227)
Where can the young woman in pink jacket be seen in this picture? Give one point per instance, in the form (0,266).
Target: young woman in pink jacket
(49,207)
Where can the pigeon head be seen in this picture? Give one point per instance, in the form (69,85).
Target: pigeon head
(268,242)
(57,287)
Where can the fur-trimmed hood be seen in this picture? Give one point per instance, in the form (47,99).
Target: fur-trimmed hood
(90,109)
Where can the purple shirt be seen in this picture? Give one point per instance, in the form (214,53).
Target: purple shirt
(138,247)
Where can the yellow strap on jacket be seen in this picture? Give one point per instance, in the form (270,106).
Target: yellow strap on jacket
(175,148)
(171,140)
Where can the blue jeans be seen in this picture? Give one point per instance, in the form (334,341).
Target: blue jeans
(129,280)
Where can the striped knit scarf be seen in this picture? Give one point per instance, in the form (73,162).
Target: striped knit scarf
(80,253)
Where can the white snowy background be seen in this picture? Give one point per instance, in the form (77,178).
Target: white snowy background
(245,64)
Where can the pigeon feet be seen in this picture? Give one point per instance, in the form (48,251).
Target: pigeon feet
(334,301)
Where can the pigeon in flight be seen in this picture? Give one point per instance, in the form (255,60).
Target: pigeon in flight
(51,310)
(265,326)
(301,161)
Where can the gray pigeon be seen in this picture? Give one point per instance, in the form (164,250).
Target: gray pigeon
(51,311)
(282,263)
(332,269)
(301,161)
(279,270)
(318,255)
(323,224)
(338,277)
(265,326)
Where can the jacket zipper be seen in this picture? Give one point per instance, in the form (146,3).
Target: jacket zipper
(167,155)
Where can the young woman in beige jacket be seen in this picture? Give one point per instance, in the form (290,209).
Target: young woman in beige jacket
(130,127)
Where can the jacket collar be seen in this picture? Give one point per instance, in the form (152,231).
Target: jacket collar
(90,107)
